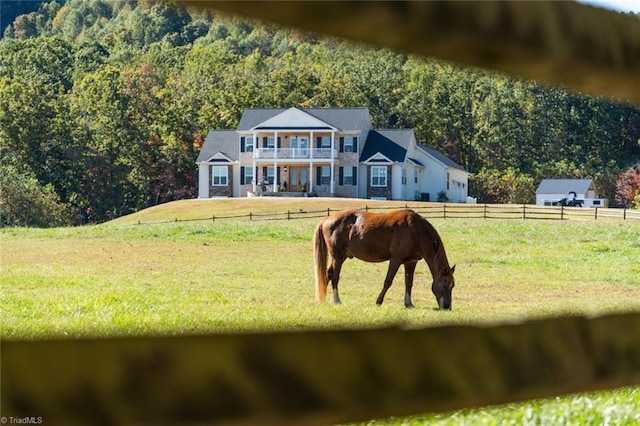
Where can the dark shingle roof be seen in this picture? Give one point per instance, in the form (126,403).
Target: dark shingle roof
(562,186)
(341,118)
(223,141)
(392,144)
(448,162)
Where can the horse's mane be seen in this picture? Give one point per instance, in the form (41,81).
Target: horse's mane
(439,258)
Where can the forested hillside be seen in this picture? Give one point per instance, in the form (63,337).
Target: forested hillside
(105,104)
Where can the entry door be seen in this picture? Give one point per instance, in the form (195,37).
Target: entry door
(298,178)
(304,147)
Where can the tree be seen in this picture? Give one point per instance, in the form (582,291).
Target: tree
(25,202)
(496,186)
(627,189)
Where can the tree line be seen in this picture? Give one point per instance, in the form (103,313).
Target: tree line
(104,106)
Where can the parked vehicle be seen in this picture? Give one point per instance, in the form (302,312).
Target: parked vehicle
(570,200)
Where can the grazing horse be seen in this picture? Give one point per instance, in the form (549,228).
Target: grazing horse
(402,237)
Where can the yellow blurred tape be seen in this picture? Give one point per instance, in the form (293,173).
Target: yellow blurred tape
(557,42)
(314,377)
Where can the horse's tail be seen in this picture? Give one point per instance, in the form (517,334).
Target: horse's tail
(320,260)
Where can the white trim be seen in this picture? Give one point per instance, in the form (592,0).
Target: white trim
(386,177)
(376,159)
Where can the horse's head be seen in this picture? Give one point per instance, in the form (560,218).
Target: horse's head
(442,287)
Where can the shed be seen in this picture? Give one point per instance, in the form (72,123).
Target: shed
(551,190)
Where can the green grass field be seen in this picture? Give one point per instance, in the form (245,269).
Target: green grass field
(234,276)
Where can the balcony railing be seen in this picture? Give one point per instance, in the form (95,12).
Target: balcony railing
(295,153)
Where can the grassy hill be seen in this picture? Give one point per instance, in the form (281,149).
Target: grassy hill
(207,208)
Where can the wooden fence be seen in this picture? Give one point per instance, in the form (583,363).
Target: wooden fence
(447,211)
(313,377)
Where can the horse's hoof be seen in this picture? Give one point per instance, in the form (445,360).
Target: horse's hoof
(409,305)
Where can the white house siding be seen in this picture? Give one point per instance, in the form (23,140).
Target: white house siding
(396,182)
(458,186)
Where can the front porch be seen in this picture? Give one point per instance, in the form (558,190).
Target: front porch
(297,194)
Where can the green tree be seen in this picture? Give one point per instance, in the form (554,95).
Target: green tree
(25,202)
(504,187)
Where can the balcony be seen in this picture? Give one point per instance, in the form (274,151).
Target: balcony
(295,153)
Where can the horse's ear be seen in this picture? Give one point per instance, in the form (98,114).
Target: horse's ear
(453,268)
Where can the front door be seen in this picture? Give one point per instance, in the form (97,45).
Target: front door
(298,177)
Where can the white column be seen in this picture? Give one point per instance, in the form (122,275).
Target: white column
(255,176)
(256,146)
(275,162)
(203,180)
(332,189)
(311,148)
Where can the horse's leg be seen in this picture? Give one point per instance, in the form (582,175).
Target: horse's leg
(334,275)
(409,269)
(394,264)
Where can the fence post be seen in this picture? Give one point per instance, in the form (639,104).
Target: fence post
(288,215)
(561,212)
(484,211)
(595,215)
(213,218)
(250,216)
(328,211)
(524,212)
(444,210)
(624,213)
(366,208)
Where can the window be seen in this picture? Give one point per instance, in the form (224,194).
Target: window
(219,176)
(347,176)
(248,175)
(404,176)
(348,143)
(324,142)
(248,144)
(271,142)
(325,175)
(270,174)
(379,176)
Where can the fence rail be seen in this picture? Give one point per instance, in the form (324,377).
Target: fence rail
(447,211)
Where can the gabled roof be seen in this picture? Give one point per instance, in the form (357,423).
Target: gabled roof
(448,162)
(562,186)
(393,144)
(343,119)
(224,142)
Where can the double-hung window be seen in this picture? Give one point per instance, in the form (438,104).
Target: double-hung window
(347,177)
(379,176)
(219,176)
(248,175)
(325,141)
(325,175)
(349,144)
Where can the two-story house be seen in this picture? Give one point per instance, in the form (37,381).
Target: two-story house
(328,152)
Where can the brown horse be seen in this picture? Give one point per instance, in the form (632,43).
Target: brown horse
(402,237)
